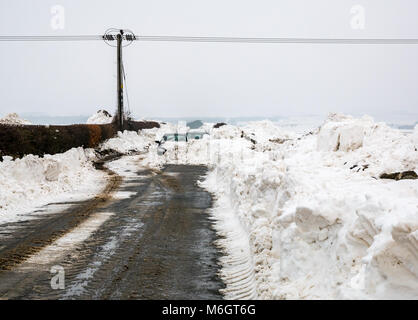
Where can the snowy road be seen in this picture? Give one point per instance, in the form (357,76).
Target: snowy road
(152,240)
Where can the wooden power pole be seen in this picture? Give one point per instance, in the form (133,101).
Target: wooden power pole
(120,81)
(123,38)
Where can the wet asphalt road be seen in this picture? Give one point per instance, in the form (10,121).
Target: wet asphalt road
(155,241)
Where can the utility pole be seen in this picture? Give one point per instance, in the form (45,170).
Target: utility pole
(123,38)
(120,81)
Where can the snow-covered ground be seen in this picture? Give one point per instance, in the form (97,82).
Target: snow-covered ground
(303,213)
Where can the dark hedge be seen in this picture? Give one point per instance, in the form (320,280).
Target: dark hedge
(17,141)
(139,125)
(20,140)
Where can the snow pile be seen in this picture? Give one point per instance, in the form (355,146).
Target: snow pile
(343,133)
(265,131)
(226,132)
(13,119)
(100,117)
(31,182)
(363,145)
(131,141)
(321,233)
(212,148)
(125,142)
(315,221)
(207,151)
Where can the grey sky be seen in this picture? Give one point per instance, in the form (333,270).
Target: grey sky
(197,79)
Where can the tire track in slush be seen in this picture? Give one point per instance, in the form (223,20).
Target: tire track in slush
(168,251)
(153,241)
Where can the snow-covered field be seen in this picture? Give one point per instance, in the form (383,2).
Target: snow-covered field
(303,215)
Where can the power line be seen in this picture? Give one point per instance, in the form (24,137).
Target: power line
(126,88)
(276,40)
(213,39)
(52,38)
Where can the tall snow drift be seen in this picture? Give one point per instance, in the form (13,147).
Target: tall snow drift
(306,216)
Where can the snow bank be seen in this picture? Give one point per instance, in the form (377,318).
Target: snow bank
(265,131)
(125,142)
(100,117)
(317,227)
(320,233)
(305,216)
(31,182)
(13,119)
(128,141)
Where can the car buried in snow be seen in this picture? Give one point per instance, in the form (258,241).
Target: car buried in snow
(173,142)
(170,141)
(195,135)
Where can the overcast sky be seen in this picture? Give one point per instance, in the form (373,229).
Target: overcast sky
(197,79)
